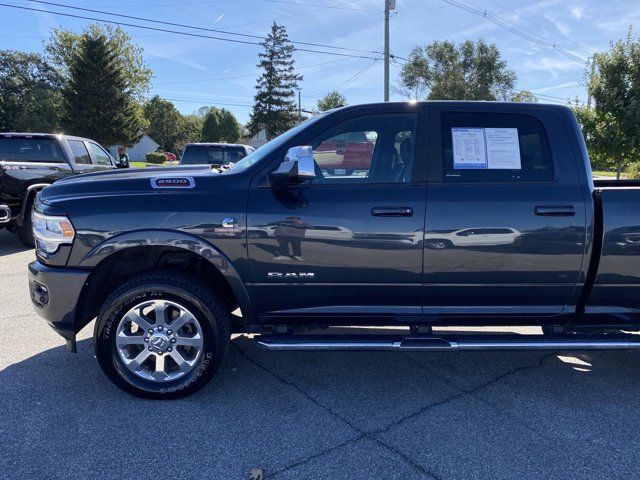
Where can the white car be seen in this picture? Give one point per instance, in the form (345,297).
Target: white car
(472,237)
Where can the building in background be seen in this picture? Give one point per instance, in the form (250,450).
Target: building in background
(138,152)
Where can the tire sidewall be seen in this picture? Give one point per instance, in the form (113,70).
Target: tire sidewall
(110,361)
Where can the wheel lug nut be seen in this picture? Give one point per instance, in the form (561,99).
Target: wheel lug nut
(169,349)
(151,330)
(173,340)
(146,339)
(159,327)
(169,332)
(150,349)
(160,353)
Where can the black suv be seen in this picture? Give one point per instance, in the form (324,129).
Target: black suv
(31,161)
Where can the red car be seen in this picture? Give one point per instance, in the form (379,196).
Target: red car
(344,153)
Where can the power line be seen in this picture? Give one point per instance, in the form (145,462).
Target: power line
(189,34)
(246,75)
(521,33)
(193,27)
(538,24)
(348,80)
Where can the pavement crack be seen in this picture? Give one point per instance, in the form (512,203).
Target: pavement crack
(463,393)
(312,457)
(361,433)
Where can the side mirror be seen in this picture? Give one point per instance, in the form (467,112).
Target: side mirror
(298,166)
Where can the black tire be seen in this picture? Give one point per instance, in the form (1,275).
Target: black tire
(185,290)
(24,231)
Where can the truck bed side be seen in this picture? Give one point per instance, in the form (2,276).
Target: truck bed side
(617,283)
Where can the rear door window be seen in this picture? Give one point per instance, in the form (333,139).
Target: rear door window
(102,157)
(79,152)
(495,147)
(16,149)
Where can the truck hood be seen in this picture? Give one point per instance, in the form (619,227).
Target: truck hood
(130,181)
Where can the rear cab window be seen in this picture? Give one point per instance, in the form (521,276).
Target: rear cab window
(212,154)
(25,149)
(494,147)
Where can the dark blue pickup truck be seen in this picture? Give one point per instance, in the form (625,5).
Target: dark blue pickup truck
(465,213)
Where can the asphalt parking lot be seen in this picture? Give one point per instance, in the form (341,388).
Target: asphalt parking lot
(313,415)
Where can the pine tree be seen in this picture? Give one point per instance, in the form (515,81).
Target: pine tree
(274,108)
(97,102)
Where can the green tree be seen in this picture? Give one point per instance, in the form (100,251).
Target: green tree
(29,93)
(524,96)
(97,102)
(220,126)
(191,130)
(333,99)
(63,44)
(615,89)
(274,108)
(469,71)
(166,123)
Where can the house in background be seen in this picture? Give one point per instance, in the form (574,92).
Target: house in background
(139,151)
(255,141)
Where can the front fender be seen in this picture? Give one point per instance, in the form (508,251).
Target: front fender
(175,239)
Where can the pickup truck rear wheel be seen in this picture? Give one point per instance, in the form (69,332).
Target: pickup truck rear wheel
(25,231)
(162,335)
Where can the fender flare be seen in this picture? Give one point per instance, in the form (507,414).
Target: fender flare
(25,200)
(180,240)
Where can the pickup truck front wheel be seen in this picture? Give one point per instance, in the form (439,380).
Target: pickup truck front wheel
(162,335)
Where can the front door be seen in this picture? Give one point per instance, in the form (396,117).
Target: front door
(505,227)
(350,240)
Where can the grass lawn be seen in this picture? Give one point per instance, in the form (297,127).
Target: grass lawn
(147,164)
(604,174)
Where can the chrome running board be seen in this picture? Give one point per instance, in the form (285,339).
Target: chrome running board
(439,344)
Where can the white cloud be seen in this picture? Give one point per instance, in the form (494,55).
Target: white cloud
(561,26)
(557,87)
(576,12)
(552,65)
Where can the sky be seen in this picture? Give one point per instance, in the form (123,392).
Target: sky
(193,72)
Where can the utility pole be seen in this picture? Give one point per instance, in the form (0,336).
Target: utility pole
(299,105)
(593,71)
(386,49)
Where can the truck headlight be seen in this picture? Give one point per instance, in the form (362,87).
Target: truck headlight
(51,231)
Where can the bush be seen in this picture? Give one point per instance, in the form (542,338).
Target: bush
(156,157)
(633,171)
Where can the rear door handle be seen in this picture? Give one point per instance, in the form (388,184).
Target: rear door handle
(392,211)
(555,211)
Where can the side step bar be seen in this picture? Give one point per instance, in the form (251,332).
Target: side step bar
(439,344)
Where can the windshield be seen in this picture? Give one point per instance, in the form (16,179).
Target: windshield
(211,154)
(272,145)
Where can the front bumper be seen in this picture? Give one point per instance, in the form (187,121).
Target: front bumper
(55,293)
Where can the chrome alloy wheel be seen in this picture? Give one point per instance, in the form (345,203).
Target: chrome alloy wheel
(159,340)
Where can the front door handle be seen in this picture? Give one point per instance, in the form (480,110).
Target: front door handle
(392,211)
(555,211)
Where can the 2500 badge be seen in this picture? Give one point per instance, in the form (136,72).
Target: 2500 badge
(173,182)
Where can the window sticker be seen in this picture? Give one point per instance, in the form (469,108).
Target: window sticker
(503,148)
(486,148)
(469,148)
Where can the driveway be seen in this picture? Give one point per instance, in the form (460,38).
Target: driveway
(318,415)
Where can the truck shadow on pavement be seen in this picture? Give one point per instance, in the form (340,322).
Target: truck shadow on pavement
(10,244)
(331,415)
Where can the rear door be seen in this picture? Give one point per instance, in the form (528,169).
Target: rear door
(349,241)
(505,222)
(101,159)
(80,156)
